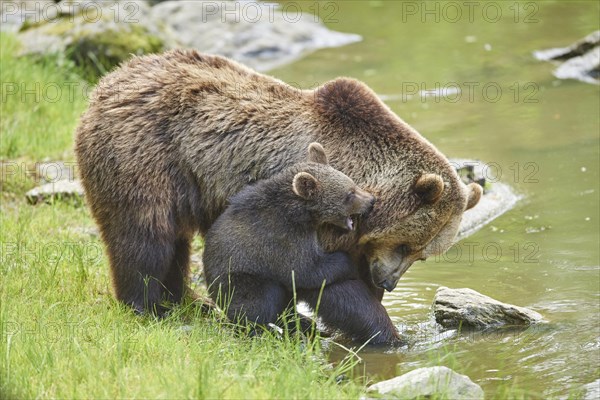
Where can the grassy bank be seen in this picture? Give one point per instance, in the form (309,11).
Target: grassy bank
(62,334)
(41,101)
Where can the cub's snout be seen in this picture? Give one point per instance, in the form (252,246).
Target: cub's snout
(363,202)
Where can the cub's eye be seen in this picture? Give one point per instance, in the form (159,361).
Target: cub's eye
(403,249)
(349,196)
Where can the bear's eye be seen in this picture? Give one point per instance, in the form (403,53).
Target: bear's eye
(403,249)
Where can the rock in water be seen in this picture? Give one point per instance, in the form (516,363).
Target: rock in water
(585,68)
(577,49)
(497,197)
(592,390)
(581,59)
(429,382)
(470,309)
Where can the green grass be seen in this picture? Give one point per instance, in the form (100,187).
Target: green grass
(40,104)
(62,335)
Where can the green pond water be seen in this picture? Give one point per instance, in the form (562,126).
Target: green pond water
(542,137)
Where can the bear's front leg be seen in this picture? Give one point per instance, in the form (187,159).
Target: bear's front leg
(353,309)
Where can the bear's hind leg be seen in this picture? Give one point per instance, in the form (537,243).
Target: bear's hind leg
(253,300)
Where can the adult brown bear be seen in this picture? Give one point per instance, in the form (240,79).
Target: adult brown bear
(167,139)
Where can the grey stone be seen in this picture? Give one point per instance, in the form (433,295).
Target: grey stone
(580,61)
(585,68)
(260,35)
(428,382)
(592,390)
(83,231)
(471,171)
(497,200)
(54,171)
(577,49)
(60,190)
(470,309)
(498,197)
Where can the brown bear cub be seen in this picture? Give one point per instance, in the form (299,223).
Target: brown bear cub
(265,243)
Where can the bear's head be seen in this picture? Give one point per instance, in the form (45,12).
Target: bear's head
(427,226)
(332,197)
(420,197)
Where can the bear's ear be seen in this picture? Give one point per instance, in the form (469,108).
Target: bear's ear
(429,188)
(305,185)
(475,191)
(316,153)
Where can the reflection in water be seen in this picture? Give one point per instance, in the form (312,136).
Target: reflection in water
(541,133)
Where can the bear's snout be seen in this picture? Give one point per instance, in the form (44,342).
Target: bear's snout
(388,285)
(381,278)
(388,266)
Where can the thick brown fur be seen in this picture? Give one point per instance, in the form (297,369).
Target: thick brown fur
(167,139)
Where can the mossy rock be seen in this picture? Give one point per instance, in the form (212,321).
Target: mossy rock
(96,54)
(95,46)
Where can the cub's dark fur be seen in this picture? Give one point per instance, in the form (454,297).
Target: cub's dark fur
(265,243)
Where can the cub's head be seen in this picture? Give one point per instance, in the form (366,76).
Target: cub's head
(333,198)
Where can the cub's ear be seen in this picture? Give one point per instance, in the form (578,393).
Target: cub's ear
(316,153)
(475,191)
(305,185)
(429,188)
